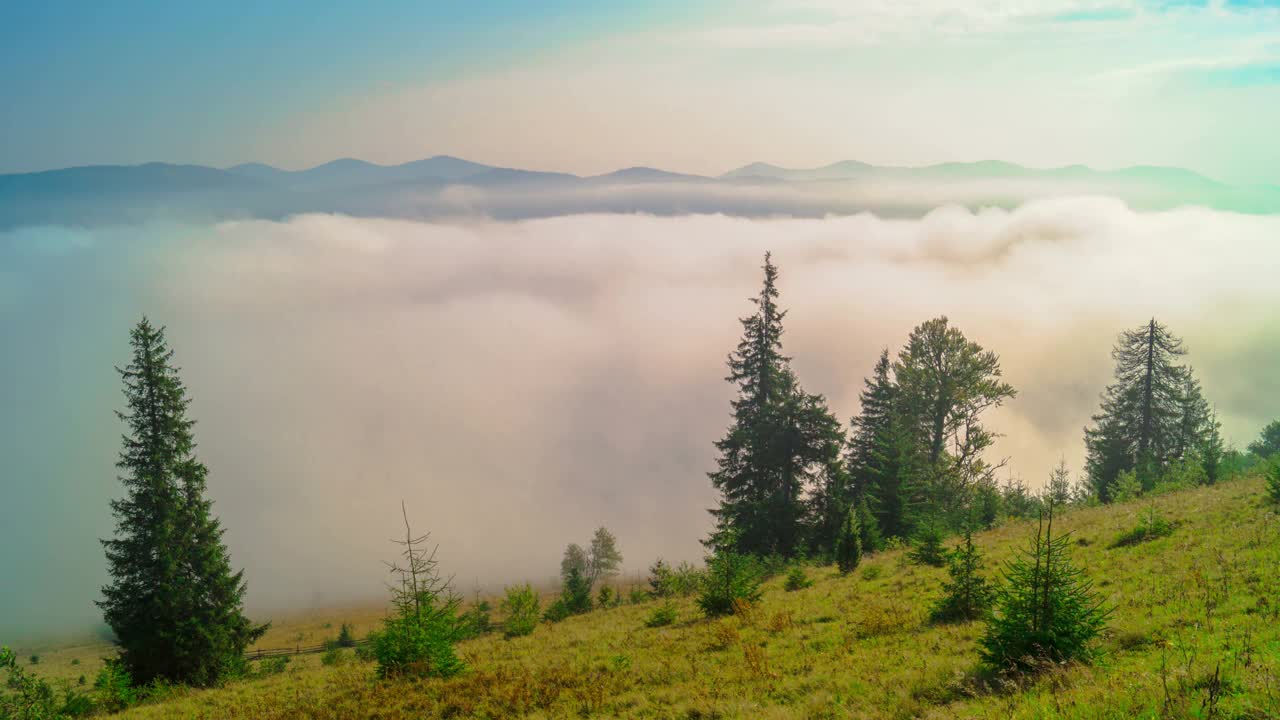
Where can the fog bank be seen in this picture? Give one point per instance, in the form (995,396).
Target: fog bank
(519,383)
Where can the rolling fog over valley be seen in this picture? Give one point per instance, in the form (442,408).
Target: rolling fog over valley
(520,383)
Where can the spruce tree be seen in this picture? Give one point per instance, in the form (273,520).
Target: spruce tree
(1046,610)
(783,443)
(1272,472)
(1212,450)
(849,544)
(966,595)
(1058,491)
(1268,442)
(174,603)
(882,458)
(1151,413)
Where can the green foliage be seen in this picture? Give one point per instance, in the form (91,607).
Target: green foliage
(417,639)
(608,597)
(1017,501)
(872,572)
(174,603)
(31,698)
(576,593)
(475,621)
(1126,487)
(521,608)
(1046,609)
(34,659)
(604,560)
(115,689)
(1150,526)
(663,615)
(273,665)
(731,580)
(332,657)
(783,445)
(638,595)
(927,546)
(660,579)
(346,636)
(849,544)
(666,581)
(1273,478)
(797,579)
(1268,443)
(966,595)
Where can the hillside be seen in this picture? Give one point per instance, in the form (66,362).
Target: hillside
(1188,607)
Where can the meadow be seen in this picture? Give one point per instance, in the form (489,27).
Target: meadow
(1195,632)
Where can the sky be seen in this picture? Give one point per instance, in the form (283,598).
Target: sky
(699,86)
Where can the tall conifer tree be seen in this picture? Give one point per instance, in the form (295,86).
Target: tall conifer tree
(783,442)
(174,603)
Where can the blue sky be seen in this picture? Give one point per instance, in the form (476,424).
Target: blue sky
(693,86)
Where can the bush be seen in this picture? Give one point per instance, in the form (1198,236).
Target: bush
(872,572)
(332,656)
(638,595)
(32,698)
(35,659)
(686,580)
(849,544)
(576,593)
(114,687)
(663,615)
(1046,609)
(346,636)
(608,597)
(364,653)
(967,594)
(660,578)
(273,665)
(1127,487)
(797,579)
(772,565)
(475,621)
(731,579)
(927,547)
(1149,527)
(520,605)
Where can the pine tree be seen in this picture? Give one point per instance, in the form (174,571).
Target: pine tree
(174,603)
(1046,609)
(1212,450)
(1194,417)
(967,595)
(1150,413)
(1272,471)
(783,441)
(849,544)
(883,456)
(927,546)
(868,529)
(1058,491)
(945,383)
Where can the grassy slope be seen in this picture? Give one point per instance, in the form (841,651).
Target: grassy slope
(1207,597)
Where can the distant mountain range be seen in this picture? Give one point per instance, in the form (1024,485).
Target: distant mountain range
(450,186)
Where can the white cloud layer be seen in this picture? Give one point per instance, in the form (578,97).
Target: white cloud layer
(518,384)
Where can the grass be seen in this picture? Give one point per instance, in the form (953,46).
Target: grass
(1195,633)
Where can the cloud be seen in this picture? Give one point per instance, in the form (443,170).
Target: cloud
(519,383)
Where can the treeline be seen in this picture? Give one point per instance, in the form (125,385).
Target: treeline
(915,461)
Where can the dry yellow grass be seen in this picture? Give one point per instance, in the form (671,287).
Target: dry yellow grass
(1203,601)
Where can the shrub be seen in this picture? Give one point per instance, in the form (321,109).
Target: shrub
(871,572)
(1149,527)
(558,610)
(638,595)
(686,580)
(35,659)
(1127,487)
(364,653)
(772,565)
(967,594)
(475,621)
(660,578)
(575,597)
(663,615)
(346,636)
(332,656)
(75,661)
(1273,479)
(797,579)
(849,544)
(520,605)
(114,687)
(607,597)
(927,547)
(31,698)
(731,580)
(1046,609)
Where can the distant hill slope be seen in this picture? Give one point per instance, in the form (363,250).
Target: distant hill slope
(1196,624)
(446,186)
